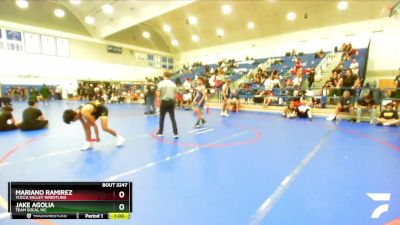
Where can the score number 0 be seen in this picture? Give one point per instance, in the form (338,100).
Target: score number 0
(121,195)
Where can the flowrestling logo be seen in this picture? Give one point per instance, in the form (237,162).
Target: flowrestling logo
(380,197)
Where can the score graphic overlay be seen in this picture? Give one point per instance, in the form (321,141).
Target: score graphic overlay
(70,200)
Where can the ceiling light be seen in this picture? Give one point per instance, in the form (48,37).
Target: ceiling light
(226,9)
(342,5)
(250,25)
(220,33)
(90,20)
(195,38)
(146,34)
(23,4)
(108,9)
(75,2)
(291,16)
(174,42)
(167,28)
(192,20)
(59,13)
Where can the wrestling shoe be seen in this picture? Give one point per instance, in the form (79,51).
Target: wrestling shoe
(120,141)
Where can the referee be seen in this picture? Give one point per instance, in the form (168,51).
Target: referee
(167,94)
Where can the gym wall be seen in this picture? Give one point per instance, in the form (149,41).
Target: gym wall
(88,59)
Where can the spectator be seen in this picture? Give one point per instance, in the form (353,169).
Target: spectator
(235,101)
(33,118)
(354,67)
(297,64)
(33,94)
(114,98)
(211,80)
(311,77)
(319,54)
(150,93)
(298,80)
(23,93)
(225,94)
(268,85)
(275,80)
(91,92)
(187,99)
(346,56)
(302,111)
(44,94)
(7,121)
(59,92)
(179,95)
(5,100)
(294,102)
(397,83)
(349,82)
(366,103)
(219,79)
(345,104)
(187,85)
(293,53)
(338,70)
(389,116)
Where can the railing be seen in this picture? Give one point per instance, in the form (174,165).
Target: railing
(322,98)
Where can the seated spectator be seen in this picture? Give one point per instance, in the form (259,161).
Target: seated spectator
(319,54)
(275,80)
(350,49)
(289,82)
(298,80)
(187,99)
(134,96)
(303,111)
(354,67)
(344,47)
(349,81)
(122,97)
(187,85)
(298,64)
(346,56)
(287,112)
(366,104)
(211,80)
(32,118)
(5,100)
(294,102)
(179,95)
(324,93)
(235,101)
(345,104)
(114,98)
(388,116)
(219,79)
(335,72)
(7,121)
(268,85)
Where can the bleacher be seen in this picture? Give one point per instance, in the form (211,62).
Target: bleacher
(361,59)
(285,67)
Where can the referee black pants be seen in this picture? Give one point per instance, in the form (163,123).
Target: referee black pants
(167,106)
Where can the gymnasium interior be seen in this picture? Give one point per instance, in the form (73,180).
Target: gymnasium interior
(298,98)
